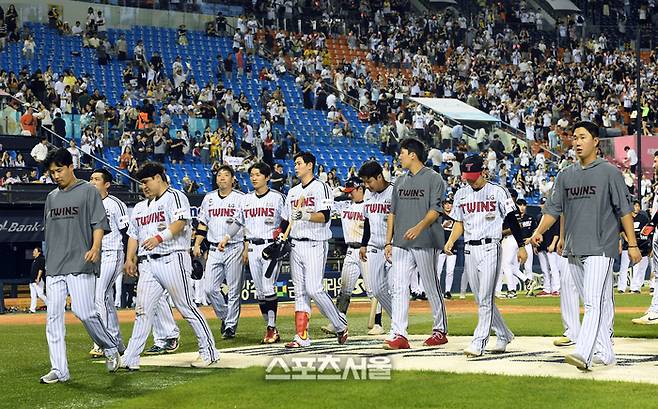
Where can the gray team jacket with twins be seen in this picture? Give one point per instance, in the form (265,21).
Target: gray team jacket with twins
(413,196)
(70,217)
(593,199)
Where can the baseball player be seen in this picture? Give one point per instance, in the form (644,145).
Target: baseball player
(509,264)
(375,213)
(220,222)
(592,197)
(479,212)
(308,207)
(112,256)
(549,258)
(37,276)
(262,218)
(651,316)
(528,225)
(160,235)
(640,219)
(353,223)
(443,258)
(412,236)
(75,222)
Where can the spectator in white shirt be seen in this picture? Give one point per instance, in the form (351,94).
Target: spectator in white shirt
(631,158)
(40,151)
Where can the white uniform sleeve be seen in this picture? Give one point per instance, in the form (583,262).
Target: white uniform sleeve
(325,198)
(457,213)
(240,205)
(123,220)
(203,211)
(505,203)
(285,209)
(180,208)
(133,231)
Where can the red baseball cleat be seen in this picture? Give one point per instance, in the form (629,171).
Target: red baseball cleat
(399,342)
(342,336)
(543,294)
(437,339)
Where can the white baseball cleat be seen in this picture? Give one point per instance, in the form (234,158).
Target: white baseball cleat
(501,346)
(51,377)
(113,362)
(329,329)
(577,361)
(471,353)
(203,363)
(96,352)
(563,342)
(597,360)
(650,318)
(376,330)
(299,342)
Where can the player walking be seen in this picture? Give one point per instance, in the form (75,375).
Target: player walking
(449,260)
(413,234)
(593,199)
(73,211)
(262,216)
(308,206)
(37,278)
(160,235)
(479,212)
(528,225)
(112,256)
(352,220)
(640,219)
(375,212)
(220,221)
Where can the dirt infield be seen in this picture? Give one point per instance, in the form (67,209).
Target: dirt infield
(252,310)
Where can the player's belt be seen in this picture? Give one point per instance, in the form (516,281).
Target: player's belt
(154,256)
(481,242)
(260,241)
(303,239)
(213,246)
(354,245)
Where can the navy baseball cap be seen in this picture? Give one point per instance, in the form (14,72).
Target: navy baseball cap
(471,167)
(351,185)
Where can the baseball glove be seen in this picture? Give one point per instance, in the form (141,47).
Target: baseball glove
(197,268)
(275,252)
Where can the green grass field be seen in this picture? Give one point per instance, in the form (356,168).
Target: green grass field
(24,358)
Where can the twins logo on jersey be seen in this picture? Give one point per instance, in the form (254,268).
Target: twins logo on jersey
(580,192)
(478,207)
(381,208)
(352,215)
(308,202)
(156,217)
(62,212)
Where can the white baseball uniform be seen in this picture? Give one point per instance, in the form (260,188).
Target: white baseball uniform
(309,249)
(167,267)
(444,259)
(262,216)
(482,213)
(112,258)
(376,209)
(220,214)
(352,220)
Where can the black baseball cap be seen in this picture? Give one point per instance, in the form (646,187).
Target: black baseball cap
(521,202)
(351,184)
(471,167)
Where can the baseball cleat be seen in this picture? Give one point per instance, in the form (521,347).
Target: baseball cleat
(650,318)
(376,330)
(113,361)
(228,333)
(462,296)
(127,367)
(171,345)
(511,294)
(543,293)
(328,329)
(437,339)
(577,361)
(341,336)
(501,346)
(298,342)
(271,336)
(51,377)
(555,293)
(447,295)
(471,353)
(563,342)
(501,295)
(155,350)
(203,363)
(635,292)
(399,342)
(597,360)
(96,352)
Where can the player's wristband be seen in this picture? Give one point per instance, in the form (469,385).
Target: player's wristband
(388,244)
(165,235)
(630,247)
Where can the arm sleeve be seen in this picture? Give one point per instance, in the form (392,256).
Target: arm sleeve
(394,199)
(366,233)
(285,210)
(554,202)
(202,217)
(181,208)
(132,231)
(457,214)
(619,195)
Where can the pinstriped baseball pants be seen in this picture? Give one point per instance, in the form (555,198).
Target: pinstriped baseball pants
(422,260)
(164,325)
(654,266)
(81,289)
(307,263)
(171,273)
(258,267)
(569,301)
(353,267)
(225,266)
(482,266)
(111,268)
(592,276)
(377,278)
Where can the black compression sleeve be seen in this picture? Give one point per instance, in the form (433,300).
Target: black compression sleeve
(327,215)
(513,223)
(124,239)
(284,225)
(366,233)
